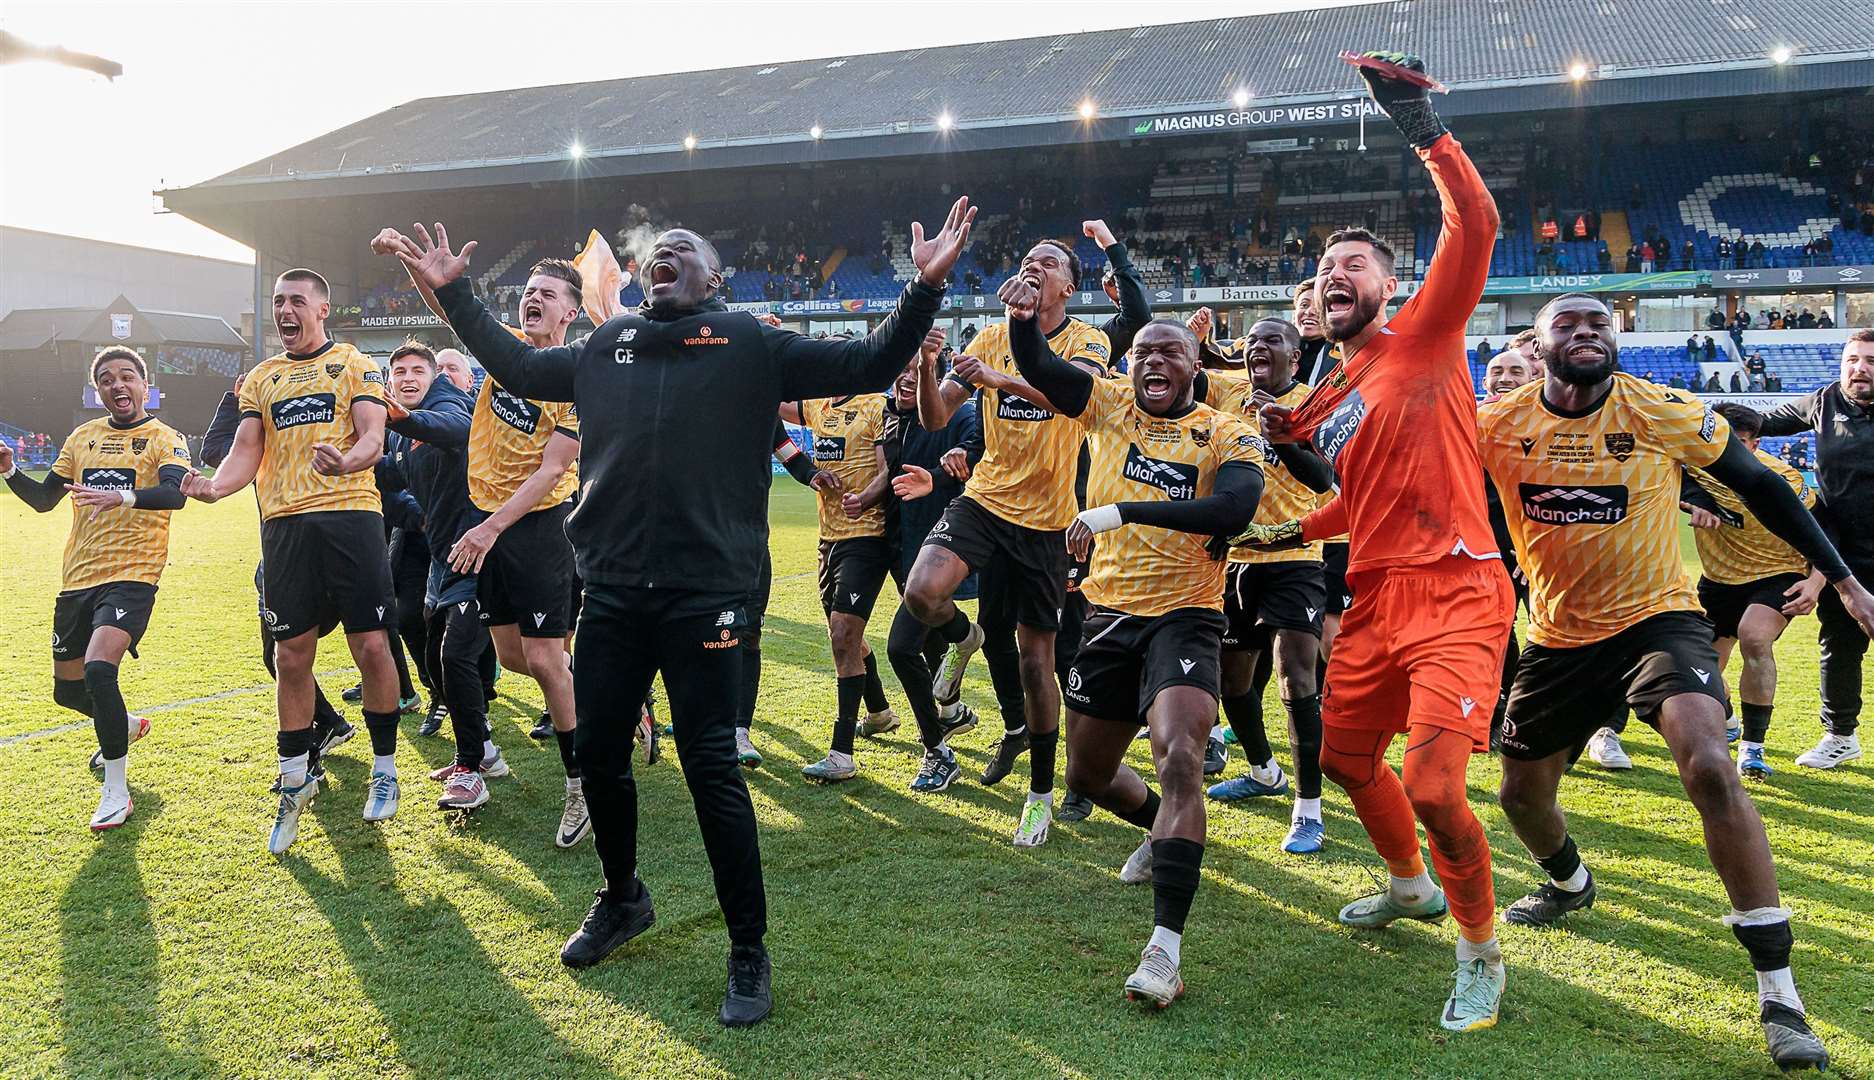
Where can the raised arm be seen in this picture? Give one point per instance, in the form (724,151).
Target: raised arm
(1468,233)
(541,374)
(1066,386)
(1794,417)
(831,368)
(1135,306)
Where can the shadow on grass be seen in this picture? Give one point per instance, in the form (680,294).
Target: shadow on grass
(110,975)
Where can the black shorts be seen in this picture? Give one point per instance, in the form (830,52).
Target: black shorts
(1025,568)
(852,571)
(322,569)
(1126,660)
(75,614)
(1334,571)
(1258,597)
(1563,696)
(526,578)
(1725,604)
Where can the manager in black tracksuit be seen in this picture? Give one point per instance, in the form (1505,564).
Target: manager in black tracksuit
(677,403)
(1842,416)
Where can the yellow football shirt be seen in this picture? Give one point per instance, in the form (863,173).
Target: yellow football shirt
(1593,502)
(303,401)
(508,438)
(846,434)
(1138,457)
(1026,475)
(1740,549)
(1284,498)
(120,544)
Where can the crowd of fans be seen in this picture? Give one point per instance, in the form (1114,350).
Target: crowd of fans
(33,450)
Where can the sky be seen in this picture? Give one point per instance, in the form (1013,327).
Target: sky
(208,87)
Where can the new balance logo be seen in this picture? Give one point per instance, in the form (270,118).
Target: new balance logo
(1187,665)
(727,618)
(1466,705)
(305,409)
(1177,479)
(1703,676)
(1570,505)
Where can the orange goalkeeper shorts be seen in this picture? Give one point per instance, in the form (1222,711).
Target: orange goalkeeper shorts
(1422,645)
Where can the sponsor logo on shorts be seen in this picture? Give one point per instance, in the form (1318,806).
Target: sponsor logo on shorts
(516,412)
(119,611)
(1073,687)
(1011,407)
(1619,444)
(540,618)
(1187,665)
(1466,705)
(110,479)
(1341,425)
(1312,612)
(1566,504)
(1177,479)
(55,641)
(727,618)
(1703,675)
(852,597)
(829,448)
(380,612)
(726,641)
(304,409)
(269,617)
(462,608)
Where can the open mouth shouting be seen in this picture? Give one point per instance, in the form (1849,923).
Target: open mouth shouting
(1339,301)
(532,313)
(289,330)
(661,275)
(1154,386)
(122,401)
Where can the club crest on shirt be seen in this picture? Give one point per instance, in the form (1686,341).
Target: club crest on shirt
(1619,444)
(1200,436)
(333,371)
(138,446)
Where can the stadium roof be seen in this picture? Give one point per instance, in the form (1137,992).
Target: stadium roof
(34,328)
(864,100)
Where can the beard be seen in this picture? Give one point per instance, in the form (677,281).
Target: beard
(1591,374)
(1365,309)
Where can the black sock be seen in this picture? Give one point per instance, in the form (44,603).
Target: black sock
(904,649)
(1768,944)
(1176,866)
(295,743)
(383,729)
(71,693)
(567,757)
(1562,865)
(1305,715)
(1756,719)
(1245,716)
(1147,813)
(956,629)
(109,718)
(1041,747)
(874,690)
(851,691)
(405,688)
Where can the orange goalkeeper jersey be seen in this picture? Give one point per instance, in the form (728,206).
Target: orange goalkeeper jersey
(1399,418)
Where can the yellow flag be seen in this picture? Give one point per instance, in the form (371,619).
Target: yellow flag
(604,279)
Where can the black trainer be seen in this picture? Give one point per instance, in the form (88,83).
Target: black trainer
(964,720)
(1216,756)
(1075,807)
(331,738)
(438,712)
(1792,1044)
(608,925)
(1002,759)
(543,728)
(353,696)
(750,996)
(1546,906)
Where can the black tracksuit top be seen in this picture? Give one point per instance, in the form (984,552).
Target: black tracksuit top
(676,418)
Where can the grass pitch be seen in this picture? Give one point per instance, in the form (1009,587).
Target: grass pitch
(909,938)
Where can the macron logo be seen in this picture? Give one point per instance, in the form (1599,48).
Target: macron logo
(853,597)
(120,612)
(1703,676)
(1467,704)
(380,613)
(462,608)
(1187,665)
(1312,612)
(539,618)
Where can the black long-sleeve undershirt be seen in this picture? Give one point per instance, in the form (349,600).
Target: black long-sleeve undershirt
(1301,461)
(1769,497)
(798,464)
(1135,307)
(167,494)
(1227,510)
(1069,388)
(41,495)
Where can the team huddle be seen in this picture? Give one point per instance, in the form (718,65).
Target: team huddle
(1155,525)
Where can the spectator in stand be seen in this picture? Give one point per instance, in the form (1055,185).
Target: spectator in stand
(1806,321)
(1825,321)
(1561,262)
(1603,258)
(1737,382)
(1756,253)
(1633,259)
(1715,320)
(1724,254)
(1484,352)
(1676,383)
(1711,350)
(1646,257)
(1712,385)
(1688,256)
(1692,349)
(1652,378)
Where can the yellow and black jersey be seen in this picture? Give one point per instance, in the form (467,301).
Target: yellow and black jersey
(1593,502)
(120,544)
(846,434)
(1137,457)
(1284,498)
(507,440)
(302,401)
(1026,475)
(1740,550)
